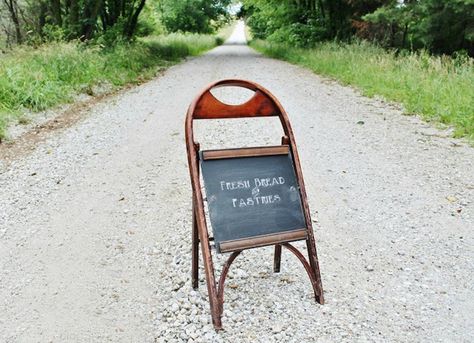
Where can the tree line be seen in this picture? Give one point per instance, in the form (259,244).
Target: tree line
(70,19)
(38,21)
(435,25)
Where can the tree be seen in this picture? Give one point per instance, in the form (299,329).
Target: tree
(306,22)
(201,16)
(12,7)
(439,26)
(73,19)
(121,12)
(445,27)
(392,23)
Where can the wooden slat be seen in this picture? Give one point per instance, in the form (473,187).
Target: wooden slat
(260,241)
(245,152)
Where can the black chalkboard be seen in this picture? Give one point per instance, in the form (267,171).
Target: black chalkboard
(251,196)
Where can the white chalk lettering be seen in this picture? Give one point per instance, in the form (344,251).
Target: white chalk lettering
(256,201)
(269,181)
(255,198)
(232,185)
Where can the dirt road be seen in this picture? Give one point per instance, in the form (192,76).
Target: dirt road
(95,224)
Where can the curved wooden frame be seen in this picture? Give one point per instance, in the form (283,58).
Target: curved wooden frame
(262,104)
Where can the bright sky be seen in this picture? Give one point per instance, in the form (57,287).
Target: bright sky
(234,8)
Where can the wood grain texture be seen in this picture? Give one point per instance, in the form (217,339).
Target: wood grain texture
(264,240)
(245,152)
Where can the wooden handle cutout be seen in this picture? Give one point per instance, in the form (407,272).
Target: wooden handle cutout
(259,105)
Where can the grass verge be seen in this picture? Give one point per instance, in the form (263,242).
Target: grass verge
(37,79)
(439,88)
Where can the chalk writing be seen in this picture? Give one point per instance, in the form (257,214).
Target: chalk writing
(255,198)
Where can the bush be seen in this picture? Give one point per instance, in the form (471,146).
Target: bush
(196,16)
(299,34)
(36,79)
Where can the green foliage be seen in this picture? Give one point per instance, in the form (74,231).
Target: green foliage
(440,26)
(36,79)
(199,16)
(434,25)
(149,22)
(298,34)
(283,22)
(53,33)
(437,88)
(447,26)
(304,23)
(275,20)
(54,20)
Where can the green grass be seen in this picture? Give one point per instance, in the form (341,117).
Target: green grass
(439,88)
(37,79)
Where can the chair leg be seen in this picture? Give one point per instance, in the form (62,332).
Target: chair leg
(277,258)
(195,254)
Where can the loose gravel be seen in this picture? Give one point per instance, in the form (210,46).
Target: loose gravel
(95,223)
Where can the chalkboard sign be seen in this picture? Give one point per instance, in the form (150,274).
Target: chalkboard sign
(253,197)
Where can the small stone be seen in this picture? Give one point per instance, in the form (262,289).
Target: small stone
(451,198)
(277,328)
(191,331)
(174,308)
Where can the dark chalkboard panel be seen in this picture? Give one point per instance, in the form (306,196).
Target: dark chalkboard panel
(252,197)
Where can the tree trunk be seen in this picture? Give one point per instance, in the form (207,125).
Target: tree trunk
(73,20)
(12,6)
(392,35)
(42,17)
(404,37)
(132,23)
(55,6)
(90,18)
(321,8)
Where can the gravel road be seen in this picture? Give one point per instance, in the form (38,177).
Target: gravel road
(95,223)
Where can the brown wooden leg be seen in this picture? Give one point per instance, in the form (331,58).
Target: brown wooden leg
(210,276)
(277,258)
(315,282)
(225,270)
(211,287)
(195,253)
(313,261)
